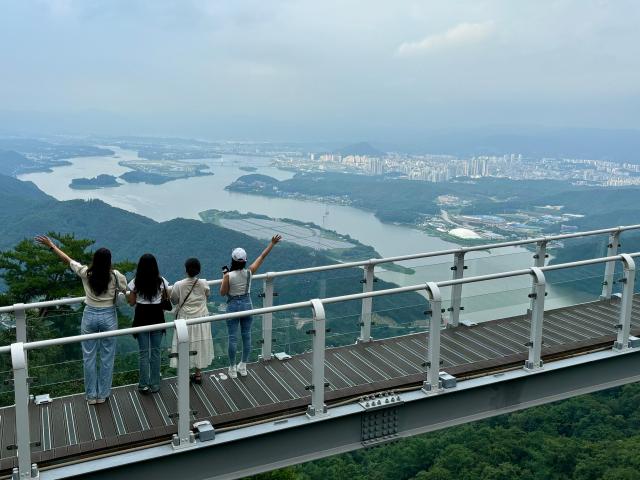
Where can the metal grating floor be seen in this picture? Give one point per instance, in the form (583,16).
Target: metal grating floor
(68,428)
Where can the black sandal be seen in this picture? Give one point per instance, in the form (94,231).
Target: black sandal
(196,378)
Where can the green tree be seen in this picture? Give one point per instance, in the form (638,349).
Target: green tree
(32,272)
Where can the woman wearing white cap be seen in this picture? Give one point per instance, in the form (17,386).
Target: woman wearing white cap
(236,285)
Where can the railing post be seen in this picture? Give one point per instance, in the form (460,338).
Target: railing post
(23,434)
(367,303)
(541,254)
(433,353)
(185,436)
(267,318)
(537,317)
(624,319)
(317,407)
(610,267)
(20,315)
(456,290)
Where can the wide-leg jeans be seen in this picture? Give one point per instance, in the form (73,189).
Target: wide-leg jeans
(97,381)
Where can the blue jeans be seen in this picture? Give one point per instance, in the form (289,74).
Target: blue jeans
(98,319)
(238,304)
(149,344)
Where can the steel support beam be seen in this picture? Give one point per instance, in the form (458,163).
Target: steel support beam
(456,290)
(432,383)
(317,408)
(21,392)
(20,315)
(367,304)
(537,295)
(626,303)
(299,439)
(185,436)
(541,254)
(267,319)
(610,267)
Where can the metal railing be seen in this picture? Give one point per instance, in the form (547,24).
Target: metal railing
(317,408)
(458,267)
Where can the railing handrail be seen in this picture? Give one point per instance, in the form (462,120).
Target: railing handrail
(361,263)
(308,303)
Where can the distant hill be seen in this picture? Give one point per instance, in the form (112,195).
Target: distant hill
(622,146)
(14,163)
(362,148)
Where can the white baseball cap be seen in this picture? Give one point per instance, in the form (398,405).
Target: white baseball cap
(239,255)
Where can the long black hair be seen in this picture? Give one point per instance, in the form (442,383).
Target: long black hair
(148,279)
(237,265)
(99,272)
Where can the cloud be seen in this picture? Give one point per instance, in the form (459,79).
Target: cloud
(461,34)
(59,8)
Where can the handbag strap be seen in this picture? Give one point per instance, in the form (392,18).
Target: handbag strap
(116,285)
(164,290)
(185,298)
(248,284)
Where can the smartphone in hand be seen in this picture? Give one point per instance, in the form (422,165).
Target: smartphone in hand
(225,269)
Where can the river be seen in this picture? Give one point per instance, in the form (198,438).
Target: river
(187,197)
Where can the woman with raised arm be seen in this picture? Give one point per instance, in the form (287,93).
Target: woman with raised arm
(236,285)
(101,286)
(147,292)
(190,297)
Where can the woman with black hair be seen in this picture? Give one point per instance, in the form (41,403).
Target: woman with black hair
(236,285)
(190,297)
(101,285)
(147,290)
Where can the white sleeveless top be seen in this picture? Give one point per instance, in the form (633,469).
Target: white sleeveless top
(238,282)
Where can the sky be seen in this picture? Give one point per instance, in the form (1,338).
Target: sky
(302,70)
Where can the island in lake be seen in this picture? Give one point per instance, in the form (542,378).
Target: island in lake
(101,181)
(159,172)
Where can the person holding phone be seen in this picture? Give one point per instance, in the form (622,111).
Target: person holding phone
(236,285)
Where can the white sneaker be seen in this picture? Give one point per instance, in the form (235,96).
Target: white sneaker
(242,369)
(233,372)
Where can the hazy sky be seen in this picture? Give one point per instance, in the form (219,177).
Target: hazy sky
(317,69)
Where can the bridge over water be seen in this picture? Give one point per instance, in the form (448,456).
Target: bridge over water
(329,400)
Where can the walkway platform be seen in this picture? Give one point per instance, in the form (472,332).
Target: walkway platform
(68,429)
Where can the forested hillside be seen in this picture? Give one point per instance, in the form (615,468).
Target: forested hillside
(585,438)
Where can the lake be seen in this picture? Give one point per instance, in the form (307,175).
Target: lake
(187,197)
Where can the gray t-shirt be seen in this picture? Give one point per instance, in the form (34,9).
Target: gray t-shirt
(239,282)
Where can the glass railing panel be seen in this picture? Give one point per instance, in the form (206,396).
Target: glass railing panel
(573,289)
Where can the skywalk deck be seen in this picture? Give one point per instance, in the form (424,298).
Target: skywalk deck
(68,429)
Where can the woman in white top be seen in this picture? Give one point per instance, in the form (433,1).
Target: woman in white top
(190,295)
(147,292)
(236,284)
(101,285)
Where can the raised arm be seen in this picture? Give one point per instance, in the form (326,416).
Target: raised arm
(47,242)
(258,261)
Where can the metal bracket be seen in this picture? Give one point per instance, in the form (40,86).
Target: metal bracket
(379,422)
(377,401)
(192,353)
(176,414)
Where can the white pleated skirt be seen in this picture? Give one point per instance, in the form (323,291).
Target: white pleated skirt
(200,341)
